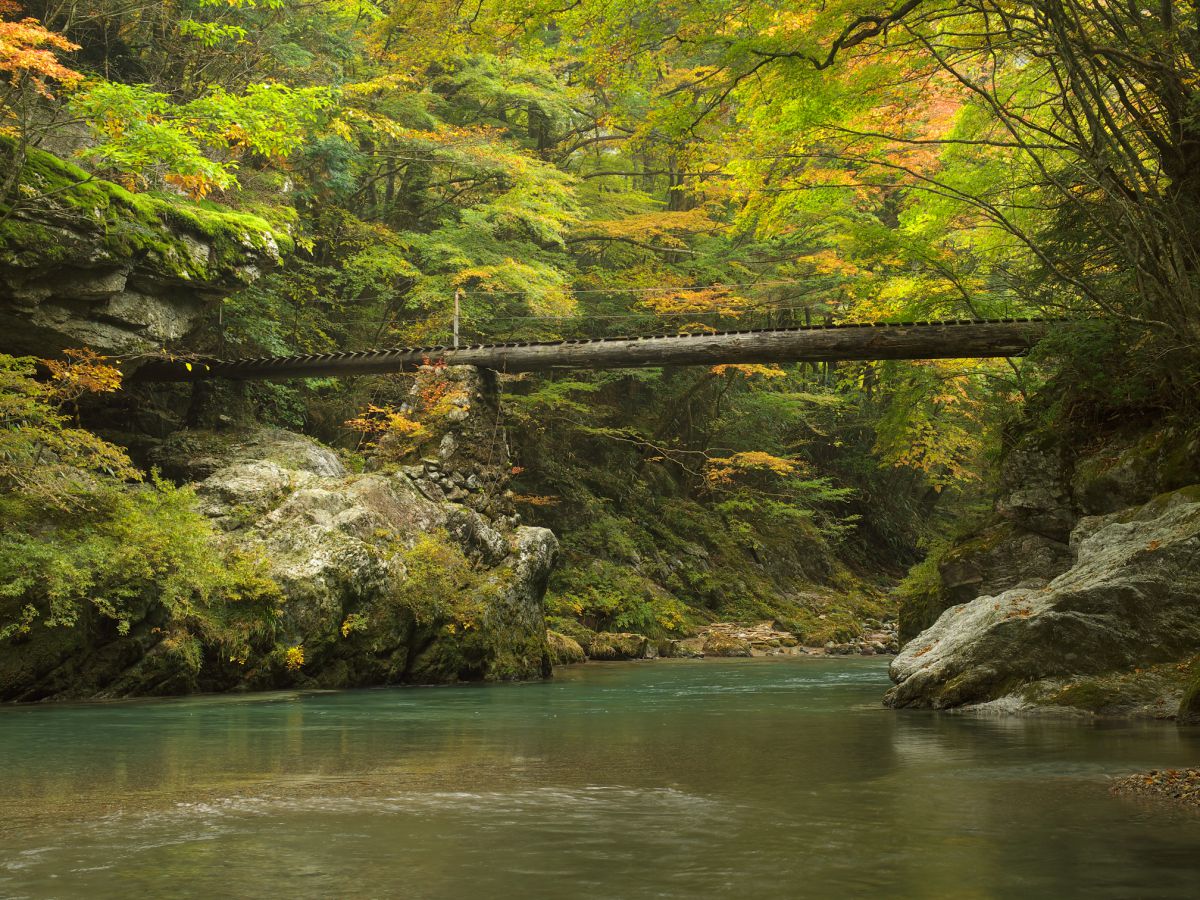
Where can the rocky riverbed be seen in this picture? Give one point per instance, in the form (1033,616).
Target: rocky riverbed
(1174,785)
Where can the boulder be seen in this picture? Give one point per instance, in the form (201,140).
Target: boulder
(378,583)
(719,643)
(1044,490)
(1130,598)
(362,563)
(564,651)
(610,645)
(688,648)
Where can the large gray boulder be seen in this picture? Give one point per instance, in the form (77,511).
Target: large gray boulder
(382,583)
(1131,598)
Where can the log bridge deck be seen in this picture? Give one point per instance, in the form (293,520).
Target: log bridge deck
(960,339)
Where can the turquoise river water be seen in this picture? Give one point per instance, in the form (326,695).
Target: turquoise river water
(706,778)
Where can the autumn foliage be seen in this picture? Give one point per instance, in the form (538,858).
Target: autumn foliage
(30,53)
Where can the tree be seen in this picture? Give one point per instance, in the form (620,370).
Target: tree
(32,68)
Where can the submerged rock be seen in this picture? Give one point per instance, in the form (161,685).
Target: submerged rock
(1129,599)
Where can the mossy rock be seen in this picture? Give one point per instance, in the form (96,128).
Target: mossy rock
(1131,471)
(718,644)
(1150,691)
(89,263)
(132,224)
(564,651)
(610,645)
(688,648)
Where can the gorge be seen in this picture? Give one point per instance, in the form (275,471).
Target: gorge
(784,476)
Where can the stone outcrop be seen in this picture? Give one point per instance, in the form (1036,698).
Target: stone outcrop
(1001,557)
(387,576)
(383,580)
(1130,598)
(85,263)
(1034,492)
(1044,491)
(1024,544)
(1024,617)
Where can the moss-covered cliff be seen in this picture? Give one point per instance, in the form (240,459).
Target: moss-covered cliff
(84,262)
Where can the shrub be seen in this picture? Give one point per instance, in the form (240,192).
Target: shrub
(82,535)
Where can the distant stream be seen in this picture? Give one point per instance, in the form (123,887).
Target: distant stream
(679,778)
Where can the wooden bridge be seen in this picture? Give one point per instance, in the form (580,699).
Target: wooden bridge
(960,339)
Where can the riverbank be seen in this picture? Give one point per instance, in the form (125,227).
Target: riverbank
(719,639)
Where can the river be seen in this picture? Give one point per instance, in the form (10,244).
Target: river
(705,778)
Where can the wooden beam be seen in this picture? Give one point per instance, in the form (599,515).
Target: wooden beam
(940,340)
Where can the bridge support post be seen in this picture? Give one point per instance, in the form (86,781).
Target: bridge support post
(457,298)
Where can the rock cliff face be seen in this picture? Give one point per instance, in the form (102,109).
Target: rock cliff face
(87,264)
(1082,592)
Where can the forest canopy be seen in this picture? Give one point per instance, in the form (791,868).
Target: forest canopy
(622,166)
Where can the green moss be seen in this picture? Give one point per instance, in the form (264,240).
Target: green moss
(131,225)
(664,566)
(563,650)
(1180,463)
(452,606)
(572,628)
(1156,505)
(133,568)
(922,597)
(610,645)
